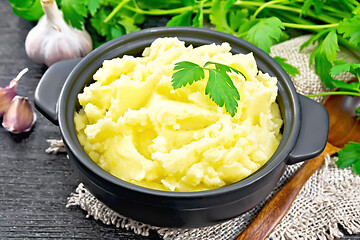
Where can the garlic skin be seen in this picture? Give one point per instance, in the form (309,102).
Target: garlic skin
(9,92)
(19,117)
(53,40)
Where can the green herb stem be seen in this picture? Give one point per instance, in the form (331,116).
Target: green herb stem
(241,35)
(336,11)
(334,93)
(354,2)
(349,5)
(258,10)
(304,24)
(201,12)
(356,10)
(115,10)
(160,11)
(328,10)
(336,14)
(308,26)
(166,11)
(322,17)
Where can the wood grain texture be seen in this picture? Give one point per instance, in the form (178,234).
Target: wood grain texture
(34,186)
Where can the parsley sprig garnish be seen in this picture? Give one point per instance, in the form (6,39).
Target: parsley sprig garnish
(219,87)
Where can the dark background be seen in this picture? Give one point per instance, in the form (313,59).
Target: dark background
(34,185)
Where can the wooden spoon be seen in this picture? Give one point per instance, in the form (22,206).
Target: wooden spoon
(343,128)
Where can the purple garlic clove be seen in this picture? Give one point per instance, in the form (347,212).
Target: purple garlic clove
(9,92)
(6,95)
(19,116)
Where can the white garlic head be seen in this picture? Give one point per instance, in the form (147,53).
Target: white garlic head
(53,40)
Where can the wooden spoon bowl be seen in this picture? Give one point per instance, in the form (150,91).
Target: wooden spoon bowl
(343,127)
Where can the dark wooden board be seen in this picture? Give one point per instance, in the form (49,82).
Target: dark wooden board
(34,185)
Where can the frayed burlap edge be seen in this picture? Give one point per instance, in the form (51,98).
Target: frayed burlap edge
(99,211)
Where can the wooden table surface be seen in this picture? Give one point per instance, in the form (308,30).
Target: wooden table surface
(34,185)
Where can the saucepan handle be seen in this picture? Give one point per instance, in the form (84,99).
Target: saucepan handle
(48,90)
(313,132)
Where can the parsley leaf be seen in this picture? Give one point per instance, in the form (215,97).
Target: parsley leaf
(330,45)
(350,28)
(353,68)
(351,86)
(219,87)
(322,67)
(74,12)
(124,22)
(98,22)
(238,18)
(357,112)
(30,10)
(128,24)
(245,27)
(324,55)
(22,3)
(356,167)
(93,5)
(222,91)
(116,31)
(317,37)
(188,74)
(265,33)
(350,155)
(342,66)
(183,19)
(290,69)
(218,16)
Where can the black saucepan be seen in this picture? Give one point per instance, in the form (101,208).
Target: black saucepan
(304,135)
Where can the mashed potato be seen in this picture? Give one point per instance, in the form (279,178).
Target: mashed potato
(136,127)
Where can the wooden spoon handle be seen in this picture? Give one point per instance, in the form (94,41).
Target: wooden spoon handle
(276,208)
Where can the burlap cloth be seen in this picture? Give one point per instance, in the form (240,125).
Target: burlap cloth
(330,197)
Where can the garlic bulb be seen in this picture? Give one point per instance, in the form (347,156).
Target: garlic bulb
(9,92)
(19,117)
(53,40)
